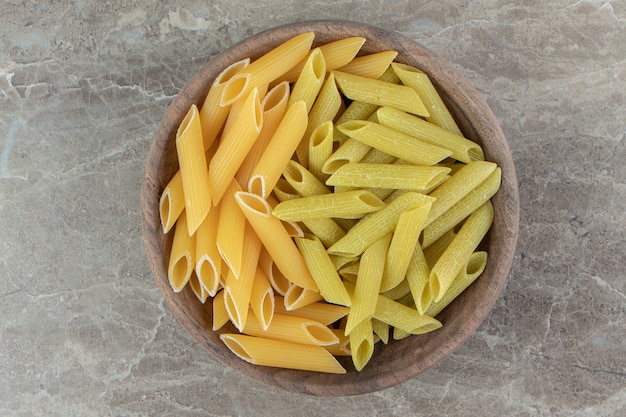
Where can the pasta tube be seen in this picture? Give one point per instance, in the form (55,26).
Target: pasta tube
(380,93)
(275,239)
(320,148)
(267,68)
(362,344)
(370,66)
(297,297)
(349,204)
(393,142)
(220,315)
(281,354)
(193,169)
(172,202)
(293,329)
(231,230)
(262,299)
(181,256)
(310,80)
(208,259)
(391,176)
(322,312)
(456,256)
(323,271)
(462,149)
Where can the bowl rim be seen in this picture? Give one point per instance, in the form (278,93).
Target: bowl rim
(478,123)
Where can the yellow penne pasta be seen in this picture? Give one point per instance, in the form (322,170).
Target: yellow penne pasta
(456,256)
(283,191)
(370,66)
(463,208)
(294,329)
(349,204)
(357,110)
(277,280)
(381,330)
(182,254)
(281,354)
(434,251)
(418,278)
(381,93)
(393,142)
(326,230)
(405,238)
(438,112)
(367,285)
(297,297)
(322,312)
(391,176)
(234,146)
(208,265)
(279,150)
(350,151)
(262,299)
(362,344)
(220,315)
(238,290)
(212,114)
(267,68)
(310,80)
(474,268)
(376,225)
(462,149)
(230,230)
(172,202)
(198,290)
(350,272)
(303,181)
(336,54)
(320,149)
(402,317)
(458,186)
(323,271)
(274,106)
(325,109)
(275,239)
(193,169)
(343,347)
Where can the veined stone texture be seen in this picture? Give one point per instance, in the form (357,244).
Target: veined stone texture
(85,332)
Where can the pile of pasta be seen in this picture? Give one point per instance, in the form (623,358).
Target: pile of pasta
(327,201)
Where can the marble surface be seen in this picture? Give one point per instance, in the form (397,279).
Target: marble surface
(84,330)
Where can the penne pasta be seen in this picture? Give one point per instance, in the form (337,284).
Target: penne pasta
(198,290)
(230,230)
(457,254)
(475,266)
(370,66)
(463,208)
(390,176)
(405,238)
(458,186)
(277,280)
(172,202)
(362,344)
(343,347)
(380,93)
(395,143)
(182,254)
(262,299)
(462,149)
(438,112)
(336,54)
(349,204)
(238,289)
(350,151)
(320,148)
(212,114)
(275,239)
(376,225)
(418,278)
(267,68)
(278,152)
(193,169)
(274,106)
(326,230)
(303,181)
(281,354)
(293,329)
(297,297)
(310,80)
(234,146)
(404,318)
(208,265)
(321,311)
(323,271)
(368,283)
(381,329)
(220,315)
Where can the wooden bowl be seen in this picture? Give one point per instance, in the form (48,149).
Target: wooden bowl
(399,360)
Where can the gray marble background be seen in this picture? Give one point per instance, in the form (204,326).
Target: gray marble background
(84,330)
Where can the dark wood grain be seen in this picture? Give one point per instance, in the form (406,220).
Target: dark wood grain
(399,360)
